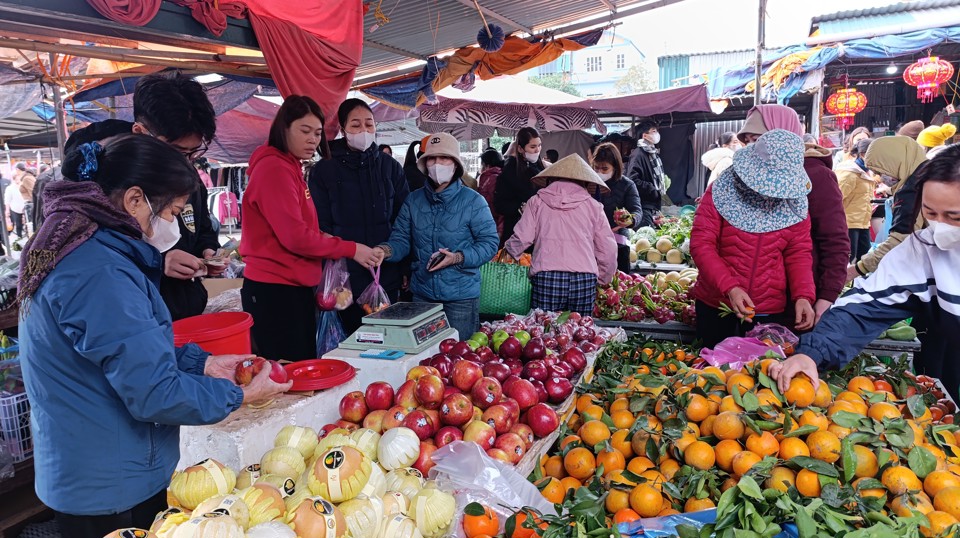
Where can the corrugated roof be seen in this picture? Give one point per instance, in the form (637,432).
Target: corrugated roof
(902,7)
(710,53)
(419,29)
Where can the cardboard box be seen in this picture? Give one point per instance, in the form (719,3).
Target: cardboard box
(216,286)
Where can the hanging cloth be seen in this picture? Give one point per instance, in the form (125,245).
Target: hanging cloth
(132,12)
(213,13)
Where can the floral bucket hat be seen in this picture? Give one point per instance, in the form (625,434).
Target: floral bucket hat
(766,188)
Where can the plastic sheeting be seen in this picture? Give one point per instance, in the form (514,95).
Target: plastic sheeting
(685,99)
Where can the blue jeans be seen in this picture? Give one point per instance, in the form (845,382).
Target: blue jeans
(464,316)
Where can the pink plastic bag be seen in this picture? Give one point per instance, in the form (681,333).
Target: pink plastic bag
(773,333)
(736,352)
(374,298)
(334,292)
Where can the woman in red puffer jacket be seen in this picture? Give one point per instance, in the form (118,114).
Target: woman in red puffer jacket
(751,241)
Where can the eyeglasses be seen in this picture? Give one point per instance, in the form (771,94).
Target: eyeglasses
(191,154)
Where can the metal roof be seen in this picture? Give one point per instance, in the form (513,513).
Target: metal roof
(422,28)
(902,7)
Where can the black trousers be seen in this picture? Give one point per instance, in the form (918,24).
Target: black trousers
(713,329)
(140,516)
(284,320)
(17,220)
(623,258)
(859,243)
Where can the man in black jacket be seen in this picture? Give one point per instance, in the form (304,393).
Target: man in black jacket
(646,171)
(175,109)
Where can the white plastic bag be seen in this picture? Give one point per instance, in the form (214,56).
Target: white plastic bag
(464,470)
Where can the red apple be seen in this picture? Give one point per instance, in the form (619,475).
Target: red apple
(434,416)
(347,425)
(449,389)
(500,455)
(534,350)
(477,413)
(374,420)
(429,391)
(353,407)
(535,370)
(511,406)
(513,445)
(472,357)
(541,390)
(465,374)
(584,334)
(420,423)
(575,358)
(499,417)
(588,347)
(536,332)
(496,370)
(394,417)
(322,432)
(550,344)
(447,435)
(560,369)
(249,368)
(461,349)
(417,372)
(379,396)
(425,460)
(407,395)
(525,433)
(516,367)
(486,392)
(456,410)
(558,389)
(563,340)
(523,392)
(485,353)
(447,345)
(481,433)
(511,349)
(443,364)
(542,419)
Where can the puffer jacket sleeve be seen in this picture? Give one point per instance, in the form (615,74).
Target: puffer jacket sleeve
(526,231)
(798,260)
(631,202)
(828,228)
(484,231)
(191,359)
(904,223)
(401,189)
(137,354)
(321,196)
(401,238)
(605,248)
(705,246)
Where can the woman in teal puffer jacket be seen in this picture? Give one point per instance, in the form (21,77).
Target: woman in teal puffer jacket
(450,224)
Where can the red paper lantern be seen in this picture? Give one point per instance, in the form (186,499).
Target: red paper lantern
(845,104)
(927,75)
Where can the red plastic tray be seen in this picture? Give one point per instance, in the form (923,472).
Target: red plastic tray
(319,374)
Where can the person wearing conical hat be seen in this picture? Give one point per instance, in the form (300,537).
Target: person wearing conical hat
(751,241)
(573,245)
(449,232)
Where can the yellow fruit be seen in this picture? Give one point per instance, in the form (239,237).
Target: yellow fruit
(939,480)
(824,446)
(694,505)
(940,522)
(781,479)
(744,461)
(866,462)
(948,500)
(763,445)
(791,447)
(725,452)
(728,426)
(899,480)
(808,483)
(646,501)
(906,505)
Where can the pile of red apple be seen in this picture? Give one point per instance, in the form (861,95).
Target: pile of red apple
(494,396)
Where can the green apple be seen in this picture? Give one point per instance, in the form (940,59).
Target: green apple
(473,344)
(480,338)
(497,338)
(522,336)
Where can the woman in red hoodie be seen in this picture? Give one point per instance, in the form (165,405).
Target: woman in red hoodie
(751,240)
(282,244)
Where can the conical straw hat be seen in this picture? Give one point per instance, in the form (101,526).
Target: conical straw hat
(574,168)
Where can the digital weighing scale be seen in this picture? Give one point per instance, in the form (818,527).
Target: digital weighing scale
(408,327)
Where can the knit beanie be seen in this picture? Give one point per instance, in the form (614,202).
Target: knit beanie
(936,135)
(911,129)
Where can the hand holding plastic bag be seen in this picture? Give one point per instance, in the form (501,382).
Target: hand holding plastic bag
(334,292)
(374,298)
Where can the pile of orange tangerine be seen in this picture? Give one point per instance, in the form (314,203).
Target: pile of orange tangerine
(609,442)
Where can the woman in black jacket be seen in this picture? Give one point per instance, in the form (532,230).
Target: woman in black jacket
(623,194)
(514,187)
(358,192)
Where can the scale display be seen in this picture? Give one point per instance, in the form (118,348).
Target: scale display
(408,327)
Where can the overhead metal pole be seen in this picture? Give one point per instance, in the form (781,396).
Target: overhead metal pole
(758,70)
(60,120)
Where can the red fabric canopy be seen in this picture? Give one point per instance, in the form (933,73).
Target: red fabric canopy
(213,13)
(132,12)
(318,54)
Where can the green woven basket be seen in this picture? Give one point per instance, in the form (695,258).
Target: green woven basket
(504,289)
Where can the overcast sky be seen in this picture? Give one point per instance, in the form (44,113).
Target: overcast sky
(723,25)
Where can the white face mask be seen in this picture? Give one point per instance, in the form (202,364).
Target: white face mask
(945,236)
(360,141)
(653,138)
(532,157)
(606,177)
(166,233)
(441,173)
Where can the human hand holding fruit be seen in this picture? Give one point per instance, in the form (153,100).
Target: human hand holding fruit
(806,317)
(741,304)
(225,366)
(368,257)
(263,387)
(784,372)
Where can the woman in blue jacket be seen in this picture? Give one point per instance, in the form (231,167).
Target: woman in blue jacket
(917,279)
(358,192)
(451,226)
(108,389)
